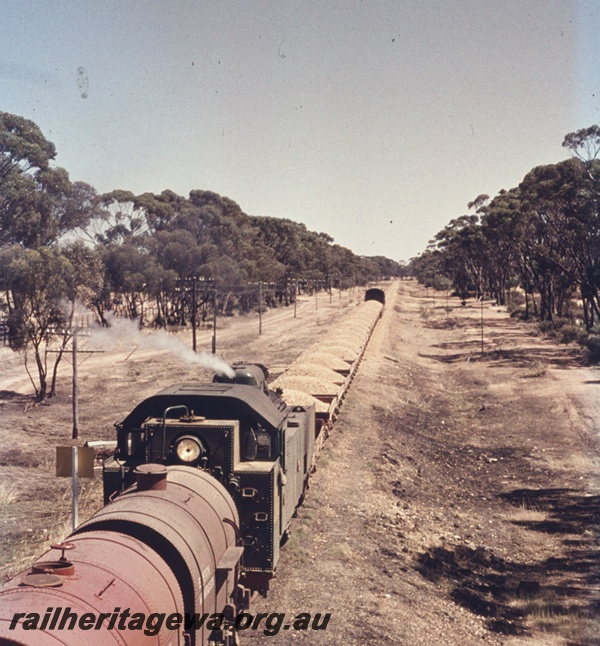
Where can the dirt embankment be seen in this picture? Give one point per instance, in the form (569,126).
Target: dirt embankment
(455,502)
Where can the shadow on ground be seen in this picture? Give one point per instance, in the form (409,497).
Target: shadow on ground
(11,395)
(556,357)
(498,334)
(555,594)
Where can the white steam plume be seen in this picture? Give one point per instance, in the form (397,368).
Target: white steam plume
(126,333)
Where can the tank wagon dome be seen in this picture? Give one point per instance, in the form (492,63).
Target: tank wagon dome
(166,547)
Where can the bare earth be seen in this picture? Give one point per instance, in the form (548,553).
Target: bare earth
(455,502)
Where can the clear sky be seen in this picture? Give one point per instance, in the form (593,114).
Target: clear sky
(376,121)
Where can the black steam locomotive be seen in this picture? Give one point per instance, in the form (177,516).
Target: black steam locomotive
(243,434)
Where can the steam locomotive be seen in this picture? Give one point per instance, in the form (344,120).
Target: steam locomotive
(240,432)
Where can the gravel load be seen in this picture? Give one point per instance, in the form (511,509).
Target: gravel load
(301,369)
(342,351)
(342,340)
(299,398)
(323,358)
(314,372)
(310,385)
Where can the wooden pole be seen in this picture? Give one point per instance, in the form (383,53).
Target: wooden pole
(260,301)
(75,484)
(482,324)
(295,296)
(214,338)
(194,305)
(75,390)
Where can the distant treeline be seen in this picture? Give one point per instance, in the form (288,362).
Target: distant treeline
(540,240)
(62,243)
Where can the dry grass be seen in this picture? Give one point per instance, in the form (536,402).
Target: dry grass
(550,614)
(425,313)
(7,495)
(536,368)
(341,552)
(23,545)
(527,513)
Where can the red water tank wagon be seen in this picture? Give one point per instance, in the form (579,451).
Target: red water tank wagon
(168,545)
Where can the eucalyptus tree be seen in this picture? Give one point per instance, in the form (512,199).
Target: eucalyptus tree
(41,287)
(122,218)
(585,146)
(464,253)
(562,237)
(38,203)
(129,271)
(506,226)
(39,275)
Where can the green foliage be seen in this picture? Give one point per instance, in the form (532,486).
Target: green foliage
(584,143)
(22,146)
(38,203)
(514,302)
(572,333)
(592,343)
(42,286)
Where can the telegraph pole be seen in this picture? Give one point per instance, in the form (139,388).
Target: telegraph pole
(481,323)
(194,307)
(74,351)
(75,391)
(214,338)
(260,302)
(295,295)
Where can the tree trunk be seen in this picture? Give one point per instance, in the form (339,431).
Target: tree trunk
(52,392)
(41,392)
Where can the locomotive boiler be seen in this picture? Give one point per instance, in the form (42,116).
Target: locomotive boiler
(160,565)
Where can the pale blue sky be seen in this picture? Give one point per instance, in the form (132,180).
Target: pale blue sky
(375,121)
